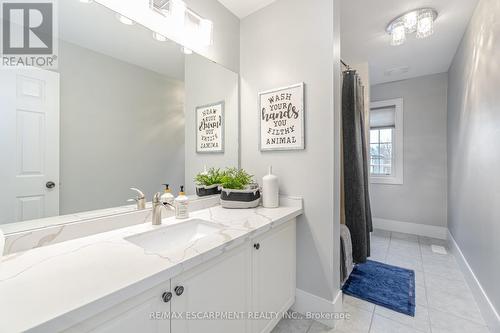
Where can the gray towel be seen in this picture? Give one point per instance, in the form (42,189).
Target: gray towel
(346,263)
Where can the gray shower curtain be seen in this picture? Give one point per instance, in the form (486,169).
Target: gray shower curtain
(358,217)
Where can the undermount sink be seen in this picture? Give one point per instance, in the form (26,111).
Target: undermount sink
(174,237)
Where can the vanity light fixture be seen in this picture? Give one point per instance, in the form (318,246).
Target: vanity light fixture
(186,26)
(125,20)
(420,20)
(206,28)
(167,20)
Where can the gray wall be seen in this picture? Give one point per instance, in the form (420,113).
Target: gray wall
(288,42)
(121,126)
(473,132)
(207,83)
(422,198)
(225,49)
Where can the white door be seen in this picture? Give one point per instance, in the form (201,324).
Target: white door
(273,272)
(29,144)
(219,288)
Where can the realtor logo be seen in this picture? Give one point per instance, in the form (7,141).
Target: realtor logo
(28,33)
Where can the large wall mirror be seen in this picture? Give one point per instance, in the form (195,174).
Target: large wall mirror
(118,112)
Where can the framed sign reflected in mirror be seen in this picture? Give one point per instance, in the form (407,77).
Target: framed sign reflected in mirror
(210,128)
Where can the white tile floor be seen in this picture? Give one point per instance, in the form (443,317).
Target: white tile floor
(444,301)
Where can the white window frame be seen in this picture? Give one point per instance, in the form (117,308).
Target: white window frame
(397,176)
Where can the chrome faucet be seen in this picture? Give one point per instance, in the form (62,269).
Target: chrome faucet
(157,208)
(140,200)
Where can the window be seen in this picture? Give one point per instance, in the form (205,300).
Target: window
(386,142)
(381,151)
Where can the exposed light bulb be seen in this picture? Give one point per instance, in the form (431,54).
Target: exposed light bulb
(125,20)
(159,37)
(205,31)
(187,51)
(410,20)
(398,34)
(178,15)
(425,26)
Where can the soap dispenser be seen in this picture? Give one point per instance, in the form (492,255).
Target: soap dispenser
(182,205)
(270,190)
(167,197)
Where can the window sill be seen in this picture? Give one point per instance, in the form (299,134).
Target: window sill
(386,180)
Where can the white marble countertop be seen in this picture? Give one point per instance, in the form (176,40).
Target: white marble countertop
(54,287)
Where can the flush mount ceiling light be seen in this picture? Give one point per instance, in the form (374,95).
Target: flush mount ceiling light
(420,20)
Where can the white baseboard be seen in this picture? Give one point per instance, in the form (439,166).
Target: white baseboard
(410,228)
(488,311)
(308,303)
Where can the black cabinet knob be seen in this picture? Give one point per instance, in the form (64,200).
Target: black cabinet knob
(179,290)
(256,246)
(167,296)
(50,185)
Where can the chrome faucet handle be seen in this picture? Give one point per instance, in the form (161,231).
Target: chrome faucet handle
(157,202)
(156,198)
(140,194)
(140,200)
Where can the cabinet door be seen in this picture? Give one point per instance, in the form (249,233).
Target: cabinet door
(219,287)
(273,278)
(146,313)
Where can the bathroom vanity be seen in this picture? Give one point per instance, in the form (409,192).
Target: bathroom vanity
(219,271)
(121,110)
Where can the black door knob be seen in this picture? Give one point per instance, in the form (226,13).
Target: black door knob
(167,296)
(179,290)
(256,246)
(50,185)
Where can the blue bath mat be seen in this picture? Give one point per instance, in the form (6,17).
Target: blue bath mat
(388,286)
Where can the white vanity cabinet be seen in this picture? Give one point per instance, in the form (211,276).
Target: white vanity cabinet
(273,274)
(253,278)
(148,313)
(219,287)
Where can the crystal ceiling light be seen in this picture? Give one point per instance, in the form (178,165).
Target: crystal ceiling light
(398,34)
(425,26)
(420,20)
(410,20)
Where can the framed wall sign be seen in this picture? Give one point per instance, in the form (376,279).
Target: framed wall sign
(281,113)
(210,128)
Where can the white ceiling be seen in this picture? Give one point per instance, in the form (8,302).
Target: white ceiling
(95,27)
(363,36)
(242,8)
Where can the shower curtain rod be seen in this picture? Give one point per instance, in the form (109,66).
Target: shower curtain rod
(344,63)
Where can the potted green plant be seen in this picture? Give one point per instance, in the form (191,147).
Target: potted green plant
(239,190)
(208,182)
